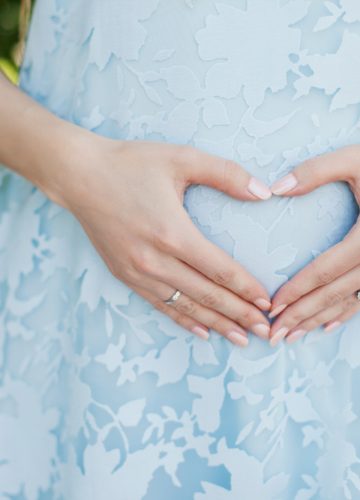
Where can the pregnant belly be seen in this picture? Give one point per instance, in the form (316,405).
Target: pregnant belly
(273,239)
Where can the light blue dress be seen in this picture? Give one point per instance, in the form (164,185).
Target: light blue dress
(102,397)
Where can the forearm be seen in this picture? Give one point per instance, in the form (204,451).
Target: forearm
(35,142)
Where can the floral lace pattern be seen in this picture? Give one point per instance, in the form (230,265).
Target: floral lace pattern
(103,397)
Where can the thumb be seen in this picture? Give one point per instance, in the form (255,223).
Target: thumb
(338,165)
(224,175)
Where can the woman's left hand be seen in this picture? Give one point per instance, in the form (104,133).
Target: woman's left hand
(324,292)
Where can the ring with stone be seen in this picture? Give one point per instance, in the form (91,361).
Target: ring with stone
(173,297)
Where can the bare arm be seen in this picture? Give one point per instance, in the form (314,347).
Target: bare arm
(120,190)
(34,142)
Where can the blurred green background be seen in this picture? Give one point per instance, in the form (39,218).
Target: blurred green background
(10,51)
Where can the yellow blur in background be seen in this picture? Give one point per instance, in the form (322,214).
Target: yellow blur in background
(14,16)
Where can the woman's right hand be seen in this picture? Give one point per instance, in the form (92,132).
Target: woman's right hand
(128,196)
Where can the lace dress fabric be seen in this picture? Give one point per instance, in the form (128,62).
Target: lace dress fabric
(101,395)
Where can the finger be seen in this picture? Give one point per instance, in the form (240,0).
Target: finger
(220,173)
(213,296)
(341,164)
(181,319)
(216,264)
(192,316)
(178,275)
(325,316)
(344,316)
(331,264)
(321,298)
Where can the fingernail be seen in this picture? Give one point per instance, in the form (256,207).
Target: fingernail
(200,332)
(263,304)
(261,330)
(279,335)
(238,339)
(296,335)
(332,326)
(277,310)
(259,189)
(285,184)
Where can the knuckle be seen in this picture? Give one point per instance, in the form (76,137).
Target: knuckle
(115,270)
(246,292)
(166,239)
(349,302)
(211,300)
(123,273)
(323,276)
(332,297)
(161,306)
(130,274)
(291,291)
(143,262)
(184,155)
(186,306)
(294,317)
(224,277)
(245,317)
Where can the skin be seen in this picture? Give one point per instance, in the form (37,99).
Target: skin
(322,293)
(97,179)
(128,197)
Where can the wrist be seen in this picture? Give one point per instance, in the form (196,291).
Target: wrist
(60,164)
(52,153)
(70,158)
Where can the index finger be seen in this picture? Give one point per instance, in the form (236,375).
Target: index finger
(220,267)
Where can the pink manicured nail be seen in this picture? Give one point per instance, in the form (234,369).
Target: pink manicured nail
(285,184)
(238,338)
(200,332)
(277,310)
(279,335)
(259,189)
(332,326)
(296,335)
(263,304)
(261,330)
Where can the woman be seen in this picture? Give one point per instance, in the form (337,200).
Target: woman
(180,171)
